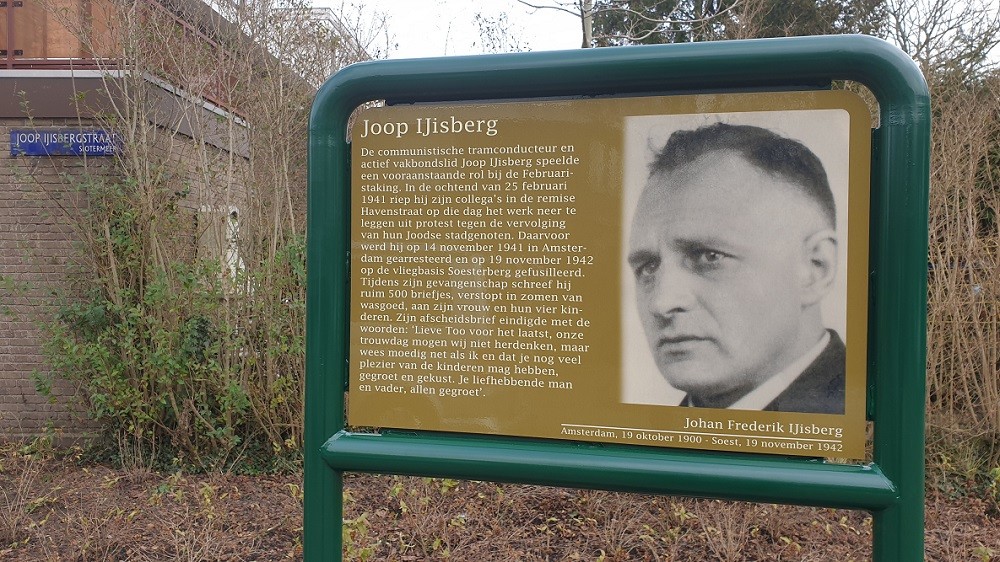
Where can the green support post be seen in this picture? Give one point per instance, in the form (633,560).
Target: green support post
(891,487)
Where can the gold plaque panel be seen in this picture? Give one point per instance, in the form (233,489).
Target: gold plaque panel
(492,290)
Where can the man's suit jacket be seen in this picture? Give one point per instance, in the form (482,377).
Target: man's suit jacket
(820,387)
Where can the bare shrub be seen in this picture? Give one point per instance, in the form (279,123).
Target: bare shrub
(186,330)
(964,288)
(952,43)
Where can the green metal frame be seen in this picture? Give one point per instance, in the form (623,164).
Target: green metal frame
(891,487)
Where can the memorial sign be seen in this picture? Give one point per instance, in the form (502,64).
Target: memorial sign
(596,285)
(676,271)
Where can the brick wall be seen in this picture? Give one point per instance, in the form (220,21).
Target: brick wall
(37,246)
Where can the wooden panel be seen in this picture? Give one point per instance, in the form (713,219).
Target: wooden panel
(3,28)
(104,17)
(30,30)
(63,27)
(60,29)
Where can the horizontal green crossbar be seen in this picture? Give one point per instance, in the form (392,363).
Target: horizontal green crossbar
(616,468)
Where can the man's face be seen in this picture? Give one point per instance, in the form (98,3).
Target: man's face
(717,250)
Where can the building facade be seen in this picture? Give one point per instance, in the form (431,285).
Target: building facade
(64,67)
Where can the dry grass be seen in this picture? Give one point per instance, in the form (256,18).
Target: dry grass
(19,473)
(66,511)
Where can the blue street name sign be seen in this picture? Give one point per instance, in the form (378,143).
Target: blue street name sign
(63,142)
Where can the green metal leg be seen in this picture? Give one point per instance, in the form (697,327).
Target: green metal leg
(324,508)
(898,534)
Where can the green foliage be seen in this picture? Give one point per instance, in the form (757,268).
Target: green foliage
(357,544)
(169,354)
(149,361)
(779,18)
(9,289)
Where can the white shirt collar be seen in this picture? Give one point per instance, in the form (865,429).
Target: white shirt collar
(760,397)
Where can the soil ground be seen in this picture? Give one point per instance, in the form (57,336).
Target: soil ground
(56,509)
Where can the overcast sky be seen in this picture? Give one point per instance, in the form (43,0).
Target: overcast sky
(430,28)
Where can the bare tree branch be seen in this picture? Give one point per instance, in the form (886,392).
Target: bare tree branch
(560,6)
(668,21)
(586,11)
(943,35)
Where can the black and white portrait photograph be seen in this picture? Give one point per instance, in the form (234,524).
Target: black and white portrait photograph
(734,245)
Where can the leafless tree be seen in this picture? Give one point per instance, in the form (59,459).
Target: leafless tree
(643,24)
(945,36)
(498,35)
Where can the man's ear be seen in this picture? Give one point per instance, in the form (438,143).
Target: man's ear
(819,266)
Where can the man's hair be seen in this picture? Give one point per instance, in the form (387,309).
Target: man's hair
(772,153)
